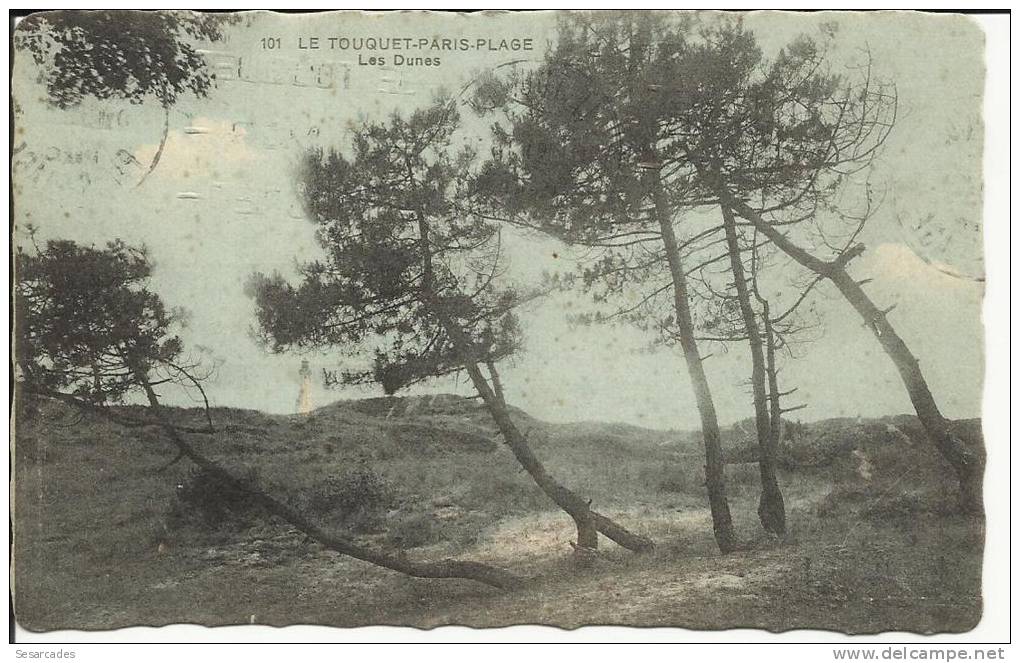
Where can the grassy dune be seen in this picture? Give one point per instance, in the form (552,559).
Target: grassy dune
(105,540)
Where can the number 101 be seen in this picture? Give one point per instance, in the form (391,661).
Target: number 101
(271,43)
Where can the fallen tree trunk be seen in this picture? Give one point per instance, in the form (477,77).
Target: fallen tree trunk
(620,535)
(447,568)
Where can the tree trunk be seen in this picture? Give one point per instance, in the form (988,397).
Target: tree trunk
(159,150)
(771,510)
(497,383)
(715,480)
(573,504)
(588,523)
(447,568)
(968,463)
(775,407)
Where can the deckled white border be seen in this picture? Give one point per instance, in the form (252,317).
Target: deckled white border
(994,627)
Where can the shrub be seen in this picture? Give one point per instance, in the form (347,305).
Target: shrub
(205,499)
(877,503)
(359,497)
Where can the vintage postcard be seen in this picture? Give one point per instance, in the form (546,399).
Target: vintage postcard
(558,318)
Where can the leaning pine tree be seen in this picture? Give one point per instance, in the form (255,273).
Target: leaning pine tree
(89,332)
(783,144)
(409,273)
(585,151)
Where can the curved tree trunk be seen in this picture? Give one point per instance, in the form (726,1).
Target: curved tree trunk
(588,523)
(967,463)
(573,504)
(447,568)
(715,480)
(159,150)
(771,509)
